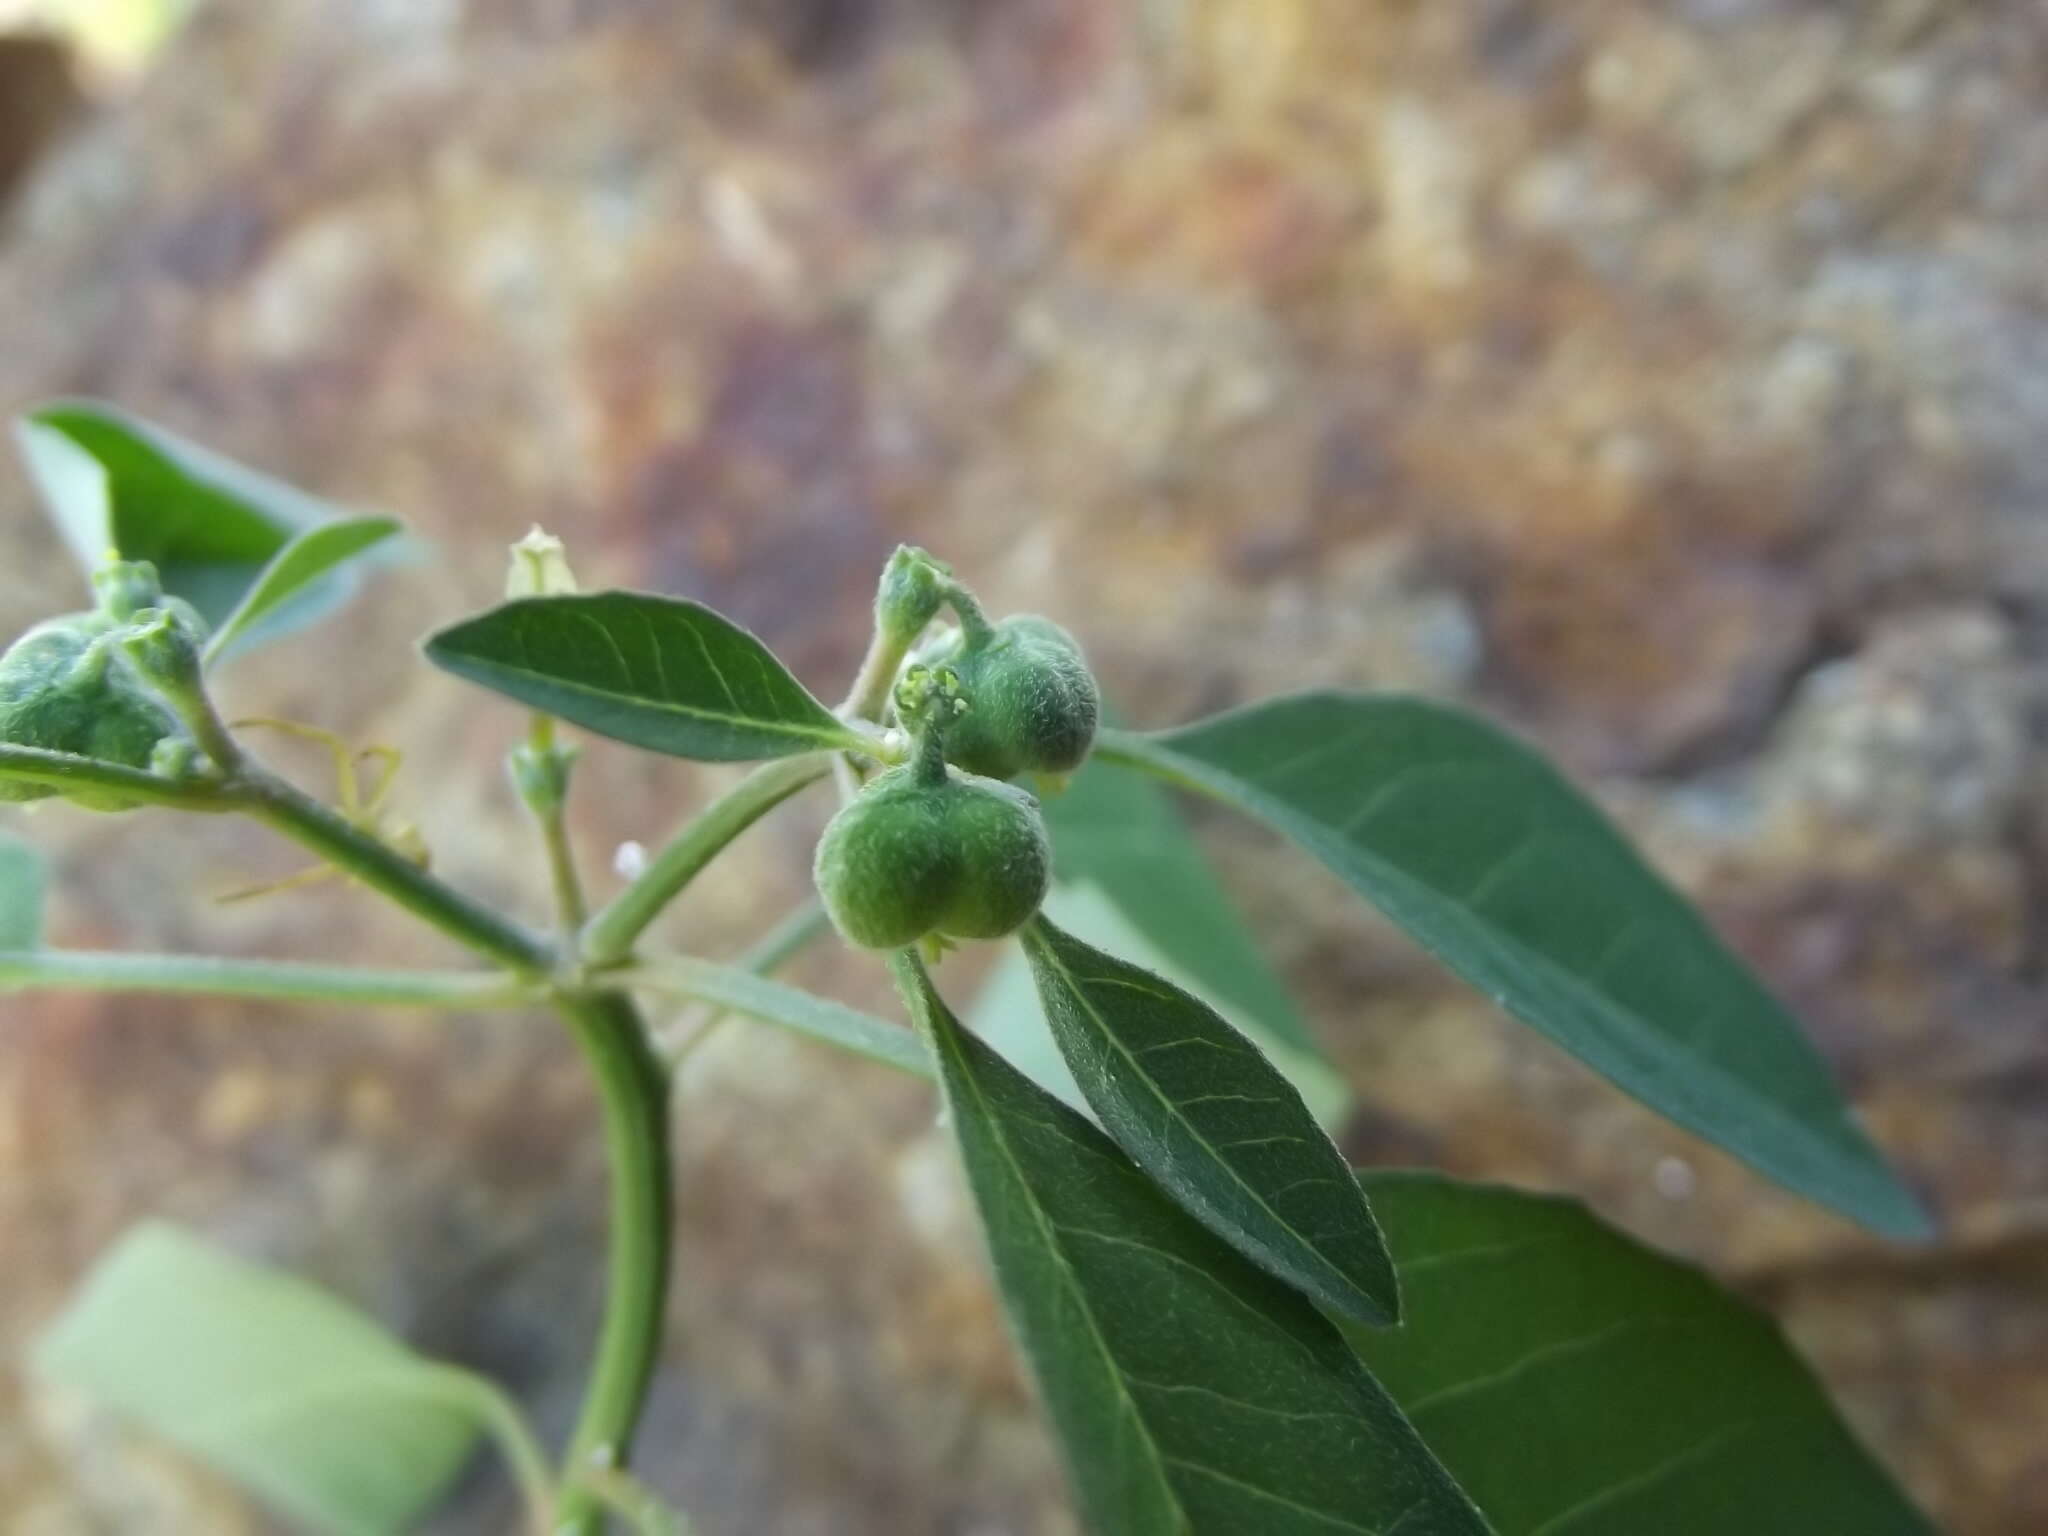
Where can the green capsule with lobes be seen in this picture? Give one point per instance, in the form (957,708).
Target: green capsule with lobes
(927,852)
(1033,703)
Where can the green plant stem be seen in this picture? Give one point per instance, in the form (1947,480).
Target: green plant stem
(498,1414)
(764,957)
(207,728)
(61,771)
(907,970)
(378,865)
(633,1091)
(570,911)
(975,629)
(877,674)
(846,778)
(306,821)
(632,1086)
(277,981)
(609,936)
(548,813)
(635,1504)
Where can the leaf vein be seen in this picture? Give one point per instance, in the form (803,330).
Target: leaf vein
(1545,1354)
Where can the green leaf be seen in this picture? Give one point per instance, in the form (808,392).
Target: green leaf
(21,895)
(310,1405)
(1200,1110)
(1007,1014)
(1484,853)
(772,1002)
(113,481)
(655,672)
(1578,1383)
(1113,827)
(295,569)
(1193,1394)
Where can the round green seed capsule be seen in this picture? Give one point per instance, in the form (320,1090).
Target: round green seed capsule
(885,867)
(963,858)
(1006,855)
(1033,703)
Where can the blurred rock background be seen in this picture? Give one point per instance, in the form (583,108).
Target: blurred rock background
(1667,379)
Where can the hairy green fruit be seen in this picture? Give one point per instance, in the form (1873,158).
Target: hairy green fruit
(962,858)
(1032,702)
(64,687)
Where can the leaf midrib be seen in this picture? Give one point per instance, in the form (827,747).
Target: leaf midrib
(1049,1234)
(792,729)
(1034,936)
(1783,1120)
(1222,783)
(403,1378)
(356,534)
(1636,1483)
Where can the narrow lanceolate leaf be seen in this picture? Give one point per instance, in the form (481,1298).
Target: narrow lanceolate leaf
(1193,1394)
(291,576)
(1115,828)
(1580,1384)
(1200,1110)
(113,481)
(655,672)
(773,1002)
(21,896)
(310,1405)
(1007,1013)
(1484,853)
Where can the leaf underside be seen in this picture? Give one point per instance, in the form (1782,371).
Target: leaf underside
(1007,1013)
(312,1406)
(1193,1394)
(1480,850)
(112,480)
(293,580)
(1118,830)
(660,673)
(1196,1105)
(1578,1383)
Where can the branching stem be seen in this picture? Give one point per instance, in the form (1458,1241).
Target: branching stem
(383,868)
(277,981)
(633,1090)
(610,935)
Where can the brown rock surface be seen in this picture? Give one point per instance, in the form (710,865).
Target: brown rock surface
(39,97)
(1665,378)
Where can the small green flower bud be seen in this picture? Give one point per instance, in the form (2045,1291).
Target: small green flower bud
(126,587)
(1032,702)
(963,858)
(914,587)
(164,653)
(541,775)
(540,566)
